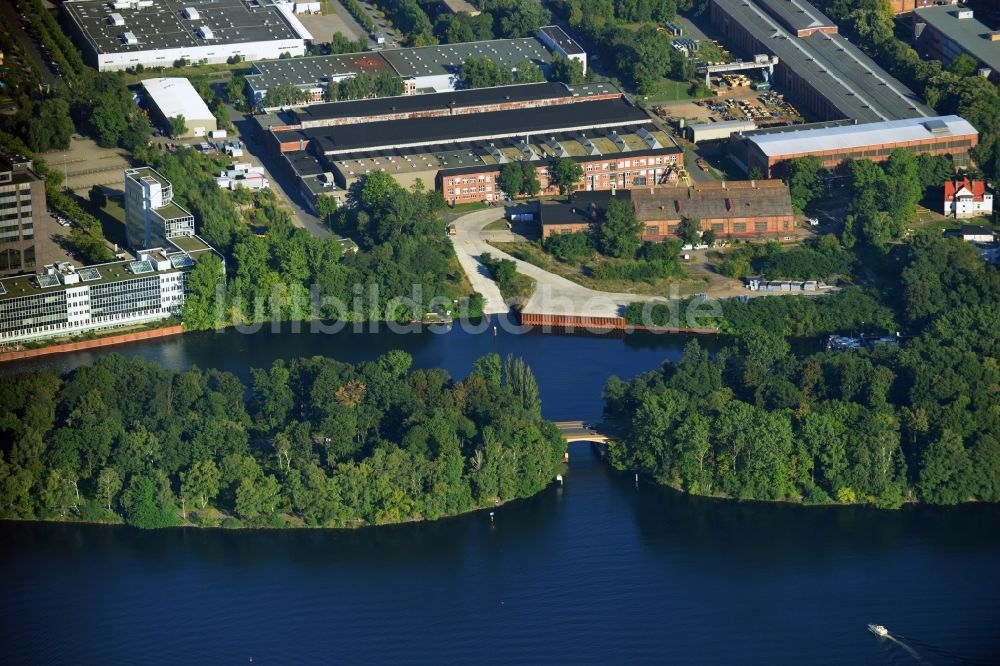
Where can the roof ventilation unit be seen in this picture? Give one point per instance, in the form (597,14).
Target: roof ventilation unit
(191,14)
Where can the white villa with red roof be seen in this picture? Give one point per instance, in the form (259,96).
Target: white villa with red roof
(967,198)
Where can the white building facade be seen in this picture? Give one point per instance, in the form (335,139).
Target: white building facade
(64,300)
(965,199)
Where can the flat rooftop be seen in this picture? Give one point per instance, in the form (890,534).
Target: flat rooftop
(140,173)
(972,35)
(565,42)
(191,244)
(304,163)
(477,126)
(434,101)
(313,70)
(175,96)
(849,137)
(171,211)
(162,24)
(852,81)
(448,58)
(28,285)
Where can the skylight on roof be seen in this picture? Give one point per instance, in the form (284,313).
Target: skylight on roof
(140,267)
(89,274)
(46,281)
(181,261)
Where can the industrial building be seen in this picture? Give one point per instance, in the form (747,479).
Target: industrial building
(175,96)
(944,135)
(818,69)
(422,69)
(122,34)
(734,208)
(699,132)
(459,141)
(559,42)
(454,103)
(946,32)
(64,299)
(313,75)
(152,219)
(25,225)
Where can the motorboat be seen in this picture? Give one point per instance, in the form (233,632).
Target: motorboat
(878,630)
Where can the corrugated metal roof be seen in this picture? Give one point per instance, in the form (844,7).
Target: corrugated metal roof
(856,136)
(177,97)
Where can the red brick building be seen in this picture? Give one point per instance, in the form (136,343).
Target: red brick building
(945,135)
(600,173)
(732,208)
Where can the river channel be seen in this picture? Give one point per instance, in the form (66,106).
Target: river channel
(602,569)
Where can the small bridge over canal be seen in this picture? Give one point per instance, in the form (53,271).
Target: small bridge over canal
(580,431)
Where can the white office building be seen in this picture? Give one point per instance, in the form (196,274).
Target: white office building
(122,34)
(67,300)
(151,216)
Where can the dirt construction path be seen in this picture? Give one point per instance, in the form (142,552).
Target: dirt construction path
(553,294)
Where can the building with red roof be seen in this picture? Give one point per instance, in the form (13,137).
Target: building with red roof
(967,198)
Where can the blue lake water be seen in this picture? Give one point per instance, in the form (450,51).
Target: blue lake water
(600,570)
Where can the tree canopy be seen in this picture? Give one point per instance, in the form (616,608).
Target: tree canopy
(618,231)
(310,441)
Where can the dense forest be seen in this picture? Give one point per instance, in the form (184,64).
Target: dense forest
(885,425)
(310,442)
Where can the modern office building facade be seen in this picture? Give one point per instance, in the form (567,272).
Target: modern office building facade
(25,225)
(151,216)
(64,300)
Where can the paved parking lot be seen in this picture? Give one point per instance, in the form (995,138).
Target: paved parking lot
(323,26)
(86,164)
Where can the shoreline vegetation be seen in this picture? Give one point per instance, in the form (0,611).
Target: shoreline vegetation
(915,420)
(311,442)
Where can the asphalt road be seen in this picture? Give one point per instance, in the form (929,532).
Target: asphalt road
(283,184)
(28,45)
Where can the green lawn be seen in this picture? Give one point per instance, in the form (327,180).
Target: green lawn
(668,90)
(496,225)
(214,72)
(582,274)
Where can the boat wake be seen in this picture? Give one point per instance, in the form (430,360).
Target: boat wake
(929,653)
(898,640)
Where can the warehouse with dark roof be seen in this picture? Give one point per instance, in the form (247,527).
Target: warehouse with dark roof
(818,68)
(616,144)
